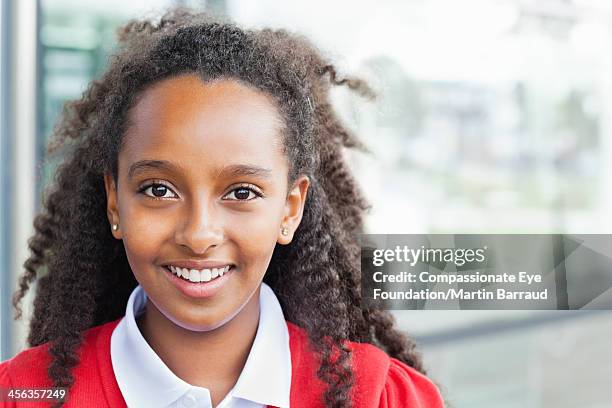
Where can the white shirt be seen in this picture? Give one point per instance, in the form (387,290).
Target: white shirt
(146,381)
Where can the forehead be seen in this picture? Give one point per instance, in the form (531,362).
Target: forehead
(188,120)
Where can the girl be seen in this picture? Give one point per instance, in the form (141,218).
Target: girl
(200,246)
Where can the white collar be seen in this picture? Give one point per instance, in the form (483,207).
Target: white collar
(145,380)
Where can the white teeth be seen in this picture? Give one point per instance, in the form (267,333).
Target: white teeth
(194,275)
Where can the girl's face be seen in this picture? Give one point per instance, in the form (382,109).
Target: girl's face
(202,177)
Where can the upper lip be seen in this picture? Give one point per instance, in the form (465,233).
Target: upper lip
(195,264)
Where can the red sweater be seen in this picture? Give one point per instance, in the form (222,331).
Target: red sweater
(380,381)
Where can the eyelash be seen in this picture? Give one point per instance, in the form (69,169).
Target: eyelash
(248,187)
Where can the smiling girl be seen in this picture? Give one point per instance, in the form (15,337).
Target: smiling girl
(200,243)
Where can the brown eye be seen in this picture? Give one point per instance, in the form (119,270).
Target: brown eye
(158,191)
(244,194)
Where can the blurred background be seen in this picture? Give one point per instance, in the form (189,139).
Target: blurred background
(494,116)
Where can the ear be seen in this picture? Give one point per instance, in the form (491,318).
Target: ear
(294,208)
(111,204)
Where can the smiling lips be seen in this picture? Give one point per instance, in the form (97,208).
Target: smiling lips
(198,275)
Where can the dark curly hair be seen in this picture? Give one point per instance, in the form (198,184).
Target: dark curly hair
(316,277)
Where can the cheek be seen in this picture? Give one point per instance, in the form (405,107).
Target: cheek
(255,228)
(254,236)
(144,230)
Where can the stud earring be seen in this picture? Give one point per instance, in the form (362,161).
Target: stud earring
(115,227)
(285,231)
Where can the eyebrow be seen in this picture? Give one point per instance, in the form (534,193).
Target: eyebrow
(232,170)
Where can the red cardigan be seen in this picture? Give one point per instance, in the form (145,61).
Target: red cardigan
(380,381)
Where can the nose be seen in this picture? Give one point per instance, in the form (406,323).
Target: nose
(200,228)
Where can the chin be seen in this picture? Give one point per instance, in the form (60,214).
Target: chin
(197,325)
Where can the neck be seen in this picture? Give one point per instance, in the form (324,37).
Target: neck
(212,359)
